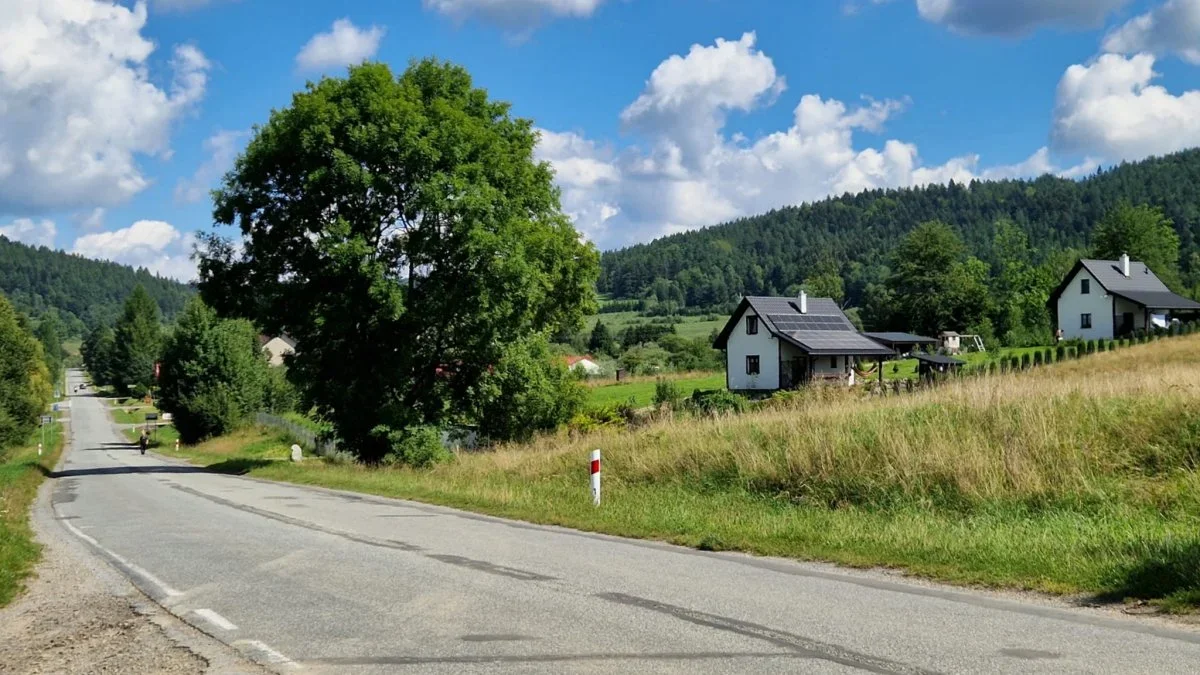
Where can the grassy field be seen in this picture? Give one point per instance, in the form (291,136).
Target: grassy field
(1077,478)
(132,411)
(907,369)
(688,326)
(641,389)
(21,472)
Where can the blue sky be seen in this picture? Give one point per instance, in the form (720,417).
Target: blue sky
(658,115)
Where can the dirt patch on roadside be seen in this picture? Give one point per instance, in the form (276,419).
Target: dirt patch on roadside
(67,622)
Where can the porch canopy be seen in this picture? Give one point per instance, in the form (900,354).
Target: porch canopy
(901,343)
(1153,300)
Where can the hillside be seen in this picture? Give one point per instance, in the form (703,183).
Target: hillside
(81,289)
(768,253)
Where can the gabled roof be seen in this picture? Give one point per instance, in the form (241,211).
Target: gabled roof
(820,331)
(1141,286)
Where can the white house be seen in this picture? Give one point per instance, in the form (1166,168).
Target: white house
(585,364)
(1106,299)
(276,347)
(783,343)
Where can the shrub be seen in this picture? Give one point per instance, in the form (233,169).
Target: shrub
(1060,352)
(1091,347)
(991,368)
(1025,362)
(717,402)
(667,392)
(1037,359)
(595,419)
(418,447)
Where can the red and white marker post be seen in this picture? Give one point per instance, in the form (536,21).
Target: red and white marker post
(596,477)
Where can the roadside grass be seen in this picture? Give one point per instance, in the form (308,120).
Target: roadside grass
(130,411)
(641,389)
(1079,478)
(21,472)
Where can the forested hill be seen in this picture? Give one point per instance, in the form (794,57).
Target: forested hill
(83,290)
(854,234)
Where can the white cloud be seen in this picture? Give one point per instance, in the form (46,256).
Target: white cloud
(222,149)
(77,104)
(517,16)
(1015,17)
(1173,27)
(152,244)
(345,44)
(1109,109)
(27,231)
(692,173)
(93,220)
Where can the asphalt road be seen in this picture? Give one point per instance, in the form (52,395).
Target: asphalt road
(316,580)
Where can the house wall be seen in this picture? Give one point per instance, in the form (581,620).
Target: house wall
(275,349)
(1098,303)
(740,345)
(1139,313)
(822,368)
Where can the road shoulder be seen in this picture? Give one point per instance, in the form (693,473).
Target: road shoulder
(79,615)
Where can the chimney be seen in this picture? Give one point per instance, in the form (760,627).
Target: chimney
(1125,264)
(803,302)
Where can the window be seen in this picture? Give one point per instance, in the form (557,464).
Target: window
(1085,286)
(1085,320)
(752,365)
(752,325)
(833,362)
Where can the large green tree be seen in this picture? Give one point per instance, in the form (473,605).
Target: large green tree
(1145,233)
(401,230)
(98,351)
(24,380)
(50,336)
(934,285)
(214,373)
(137,342)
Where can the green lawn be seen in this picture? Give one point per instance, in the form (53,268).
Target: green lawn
(688,326)
(21,471)
(642,391)
(134,414)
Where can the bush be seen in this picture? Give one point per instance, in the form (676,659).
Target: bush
(526,391)
(1091,347)
(1060,352)
(1025,361)
(1037,359)
(667,392)
(717,402)
(418,447)
(991,369)
(595,419)
(279,395)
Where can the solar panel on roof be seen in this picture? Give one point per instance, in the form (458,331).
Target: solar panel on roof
(790,322)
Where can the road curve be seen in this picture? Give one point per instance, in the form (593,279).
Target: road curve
(304,579)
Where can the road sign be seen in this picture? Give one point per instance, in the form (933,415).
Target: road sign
(59,407)
(151,416)
(47,419)
(166,417)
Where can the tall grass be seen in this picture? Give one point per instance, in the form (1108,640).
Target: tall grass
(21,472)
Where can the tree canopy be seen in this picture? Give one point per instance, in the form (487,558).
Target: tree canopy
(24,380)
(84,292)
(400,229)
(1145,233)
(137,341)
(775,252)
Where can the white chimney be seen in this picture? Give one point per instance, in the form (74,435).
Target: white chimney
(803,302)
(1125,264)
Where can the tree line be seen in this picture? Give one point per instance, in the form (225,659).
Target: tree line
(843,245)
(79,292)
(26,378)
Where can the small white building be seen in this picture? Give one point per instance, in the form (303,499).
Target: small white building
(276,347)
(784,343)
(1107,299)
(586,364)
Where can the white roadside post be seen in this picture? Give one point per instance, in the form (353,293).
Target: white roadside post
(596,477)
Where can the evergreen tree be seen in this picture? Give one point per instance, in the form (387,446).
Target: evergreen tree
(24,380)
(98,353)
(52,349)
(602,341)
(138,340)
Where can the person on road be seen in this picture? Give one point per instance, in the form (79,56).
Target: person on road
(144,441)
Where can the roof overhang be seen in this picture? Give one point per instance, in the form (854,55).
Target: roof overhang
(1158,300)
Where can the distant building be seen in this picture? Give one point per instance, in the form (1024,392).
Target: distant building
(784,343)
(276,347)
(584,363)
(1106,299)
